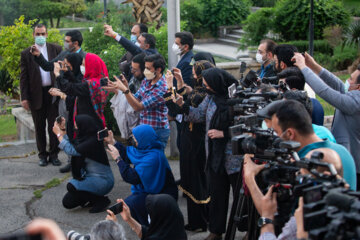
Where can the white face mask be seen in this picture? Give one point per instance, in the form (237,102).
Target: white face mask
(148,74)
(82,70)
(347,85)
(176,49)
(259,58)
(137,44)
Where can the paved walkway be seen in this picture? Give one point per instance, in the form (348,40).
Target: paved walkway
(20,177)
(222,50)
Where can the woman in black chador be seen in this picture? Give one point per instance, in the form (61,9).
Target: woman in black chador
(192,147)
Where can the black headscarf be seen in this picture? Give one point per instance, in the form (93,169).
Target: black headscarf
(167,221)
(204,56)
(219,80)
(75,60)
(86,142)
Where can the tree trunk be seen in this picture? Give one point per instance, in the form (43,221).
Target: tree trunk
(58,22)
(73,17)
(51,22)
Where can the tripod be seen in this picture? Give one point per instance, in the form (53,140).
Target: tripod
(242,212)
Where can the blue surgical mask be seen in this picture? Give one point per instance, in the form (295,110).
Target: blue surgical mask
(264,126)
(347,85)
(40,40)
(133,38)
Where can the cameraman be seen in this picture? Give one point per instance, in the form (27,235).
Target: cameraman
(291,121)
(345,128)
(267,205)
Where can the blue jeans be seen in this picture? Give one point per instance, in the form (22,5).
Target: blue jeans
(163,135)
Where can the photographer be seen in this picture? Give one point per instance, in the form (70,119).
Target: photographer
(151,173)
(90,98)
(222,166)
(345,128)
(294,78)
(192,148)
(126,117)
(166,219)
(92,175)
(291,121)
(267,205)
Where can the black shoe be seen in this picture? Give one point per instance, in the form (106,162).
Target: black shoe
(100,205)
(55,161)
(65,168)
(43,162)
(194,229)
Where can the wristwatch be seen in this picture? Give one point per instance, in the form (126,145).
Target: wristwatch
(263,221)
(126,91)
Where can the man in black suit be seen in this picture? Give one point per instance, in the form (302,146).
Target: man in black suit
(34,85)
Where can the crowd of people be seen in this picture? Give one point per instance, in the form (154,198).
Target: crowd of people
(70,88)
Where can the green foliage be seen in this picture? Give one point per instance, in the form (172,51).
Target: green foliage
(14,39)
(95,9)
(352,34)
(161,39)
(291,17)
(111,56)
(205,16)
(6,83)
(192,12)
(76,6)
(264,3)
(340,60)
(224,13)
(319,46)
(256,26)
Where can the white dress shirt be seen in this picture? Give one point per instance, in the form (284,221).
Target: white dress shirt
(45,76)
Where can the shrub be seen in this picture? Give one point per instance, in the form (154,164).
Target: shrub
(223,13)
(340,60)
(256,26)
(264,3)
(352,34)
(333,35)
(319,46)
(191,12)
(14,39)
(291,17)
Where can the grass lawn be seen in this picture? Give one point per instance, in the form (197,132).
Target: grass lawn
(7,128)
(328,109)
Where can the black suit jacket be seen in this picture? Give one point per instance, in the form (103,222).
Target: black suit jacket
(30,77)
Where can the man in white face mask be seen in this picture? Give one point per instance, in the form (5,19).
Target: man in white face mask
(148,100)
(35,84)
(184,42)
(265,56)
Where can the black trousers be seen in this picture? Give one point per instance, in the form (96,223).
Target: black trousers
(198,214)
(219,192)
(48,112)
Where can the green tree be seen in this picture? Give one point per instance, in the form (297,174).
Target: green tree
(76,6)
(52,9)
(14,39)
(291,17)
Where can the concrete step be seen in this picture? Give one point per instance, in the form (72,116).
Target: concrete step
(238,31)
(229,42)
(234,37)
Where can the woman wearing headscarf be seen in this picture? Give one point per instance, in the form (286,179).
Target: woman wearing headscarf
(220,164)
(97,179)
(70,71)
(193,181)
(204,56)
(90,97)
(151,173)
(166,219)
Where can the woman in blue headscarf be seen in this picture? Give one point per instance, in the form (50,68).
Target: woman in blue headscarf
(151,173)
